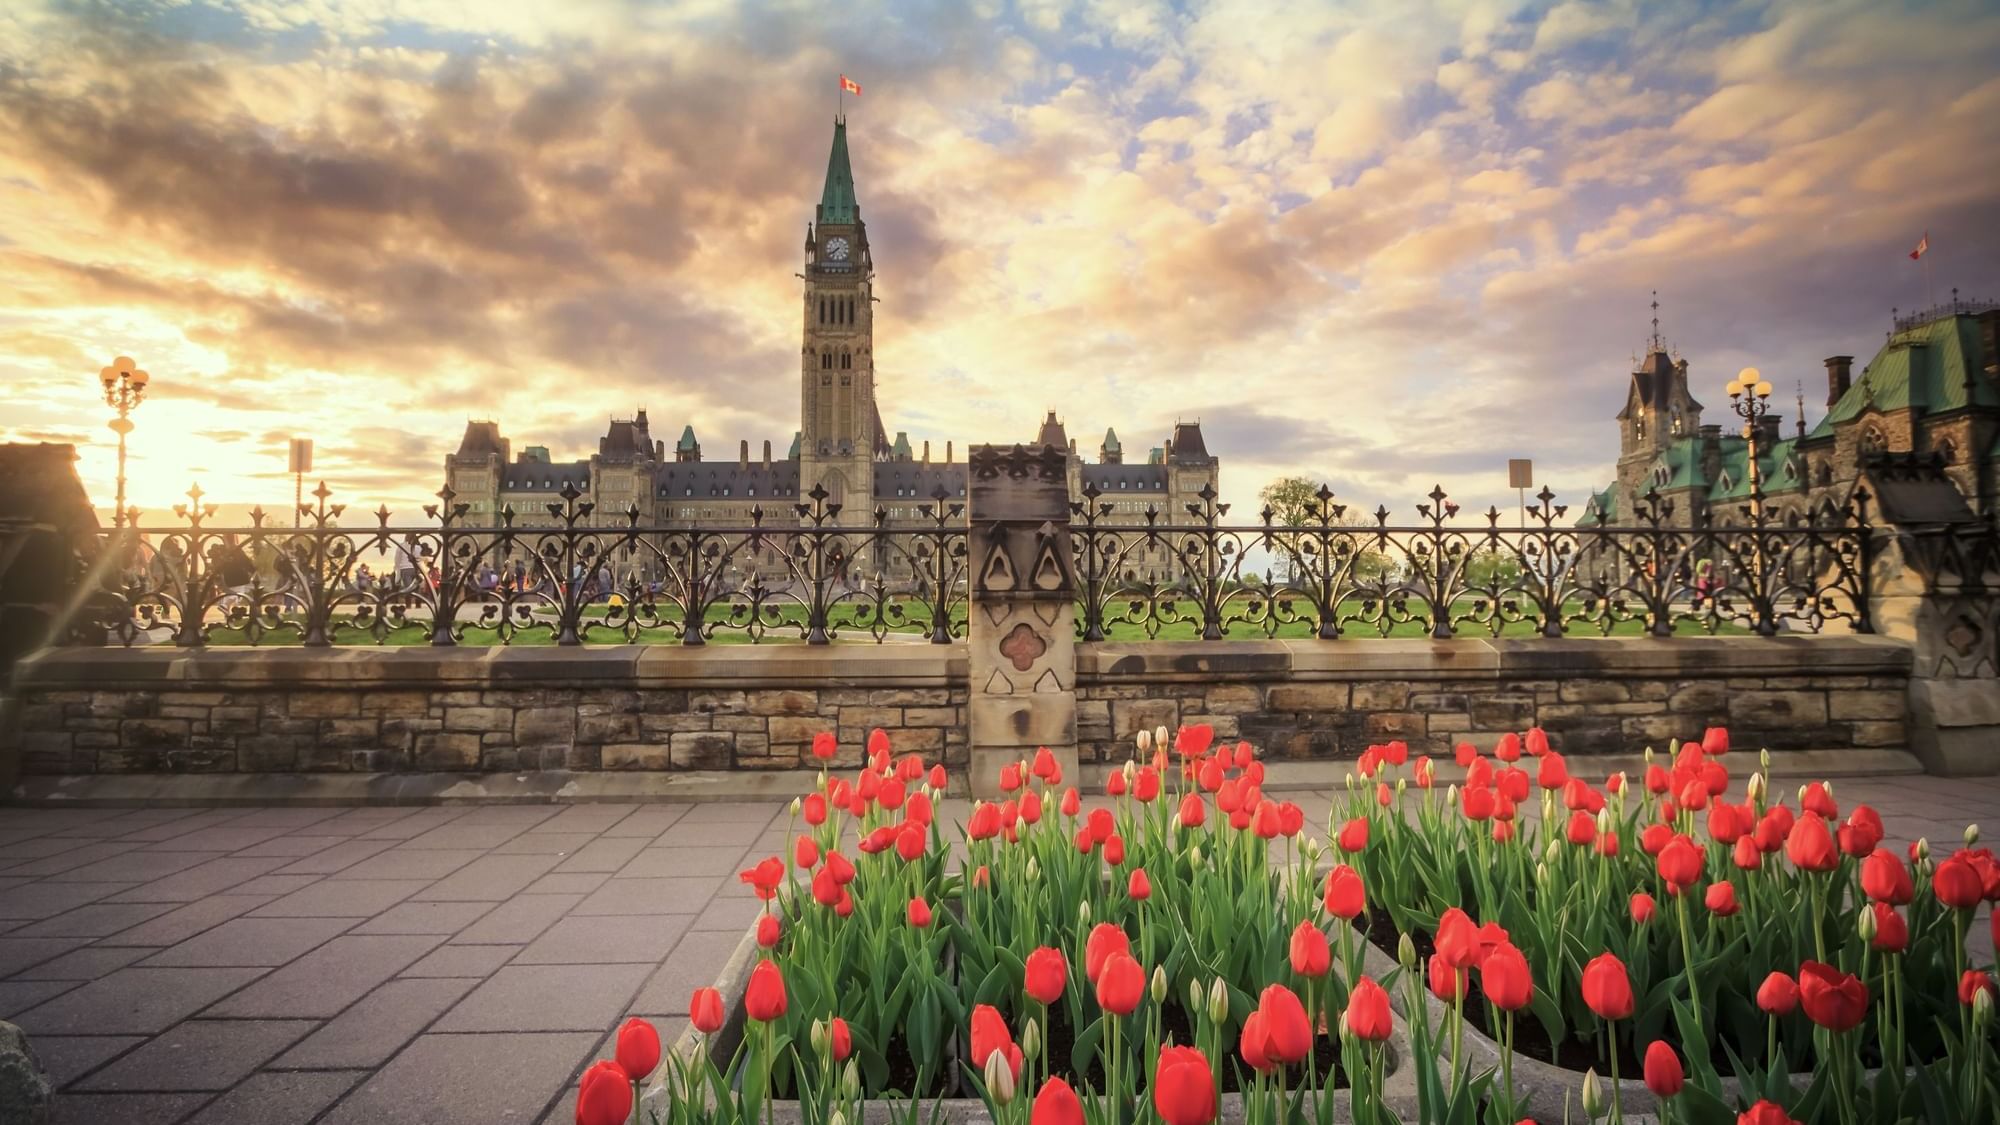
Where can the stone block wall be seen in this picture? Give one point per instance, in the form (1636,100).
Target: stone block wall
(242,711)
(1318,700)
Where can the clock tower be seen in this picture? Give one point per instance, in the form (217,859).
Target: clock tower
(840,427)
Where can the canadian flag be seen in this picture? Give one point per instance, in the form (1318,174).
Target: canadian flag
(1923,244)
(850,86)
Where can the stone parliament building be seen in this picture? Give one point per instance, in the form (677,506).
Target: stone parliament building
(841,446)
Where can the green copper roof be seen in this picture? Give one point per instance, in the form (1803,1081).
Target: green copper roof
(794,454)
(1111,439)
(902,446)
(837,203)
(687,439)
(1923,367)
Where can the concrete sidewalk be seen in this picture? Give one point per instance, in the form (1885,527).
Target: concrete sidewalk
(288,966)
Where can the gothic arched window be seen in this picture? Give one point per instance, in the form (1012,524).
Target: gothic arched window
(846,360)
(826,361)
(822,310)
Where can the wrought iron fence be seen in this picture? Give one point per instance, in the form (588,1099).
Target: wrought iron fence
(1326,573)
(573,578)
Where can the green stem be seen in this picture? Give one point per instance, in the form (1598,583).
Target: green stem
(1507,1059)
(1617,1101)
(1687,956)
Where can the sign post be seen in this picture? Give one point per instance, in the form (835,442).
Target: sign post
(1521,476)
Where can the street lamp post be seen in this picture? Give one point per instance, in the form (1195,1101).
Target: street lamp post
(124,389)
(1749,397)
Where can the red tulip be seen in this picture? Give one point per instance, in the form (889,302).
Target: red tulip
(1892,933)
(1778,995)
(1057,1104)
(1139,888)
(1885,878)
(1774,828)
(1680,862)
(1464,753)
(1505,978)
(1105,939)
(1010,777)
(1447,983)
(1653,838)
(1765,1113)
(1643,907)
(1810,845)
(1727,823)
(1815,799)
(1288,1034)
(1072,803)
(841,868)
(1114,850)
(1745,854)
(1194,741)
(1862,831)
(1721,899)
(1368,1011)
(984,823)
(638,1048)
(1832,999)
(1354,835)
(1656,779)
(1974,982)
(1508,749)
(764,999)
(1310,955)
(603,1095)
(1537,742)
(1477,802)
(1183,1087)
(764,878)
(1553,772)
(1457,939)
(1030,807)
(1715,740)
(990,1036)
(1607,844)
(1957,884)
(1047,973)
(815,809)
(1512,784)
(1607,988)
(705,1010)
(1291,819)
(1114,785)
(920,912)
(1146,785)
(1664,1076)
(1101,825)
(1344,893)
(1193,813)
(1209,777)
(769,930)
(1254,1044)
(1582,827)
(1121,982)
(938,779)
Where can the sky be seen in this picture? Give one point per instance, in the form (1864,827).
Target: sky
(1385,244)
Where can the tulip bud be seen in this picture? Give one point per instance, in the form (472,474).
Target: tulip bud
(1160,735)
(1131,771)
(1593,1094)
(1541,873)
(1647,757)
(1218,1001)
(1451,796)
(999,1078)
(1312,851)
(1031,1038)
(838,1118)
(1406,951)
(1553,851)
(1145,740)
(1866,925)
(1195,857)
(1402,784)
(1034,870)
(1828,786)
(797,804)
(1159,984)
(1982,1008)
(1083,911)
(1922,849)
(1603,821)
(1197,996)
(1971,834)
(850,1079)
(1754,789)
(818,1035)
(1764,760)
(1350,781)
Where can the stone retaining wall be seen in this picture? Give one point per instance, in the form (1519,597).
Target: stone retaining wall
(492,710)
(1315,700)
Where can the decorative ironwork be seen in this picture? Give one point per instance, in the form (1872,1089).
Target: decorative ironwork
(1324,573)
(1957,306)
(570,575)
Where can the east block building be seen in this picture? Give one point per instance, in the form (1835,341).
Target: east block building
(841,444)
(1933,390)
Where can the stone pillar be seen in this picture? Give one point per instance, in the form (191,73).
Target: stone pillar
(1944,600)
(1021,621)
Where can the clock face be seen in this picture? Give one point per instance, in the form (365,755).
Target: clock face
(836,249)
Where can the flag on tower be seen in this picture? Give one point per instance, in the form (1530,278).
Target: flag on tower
(849,86)
(1923,244)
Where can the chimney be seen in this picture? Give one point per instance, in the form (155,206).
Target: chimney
(927,451)
(659,451)
(1839,377)
(947,453)
(767,453)
(1769,431)
(1711,451)
(1072,447)
(743,454)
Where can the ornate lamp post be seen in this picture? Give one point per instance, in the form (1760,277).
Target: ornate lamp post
(124,389)
(1749,397)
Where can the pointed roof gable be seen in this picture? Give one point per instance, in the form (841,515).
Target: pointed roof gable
(687,438)
(1111,440)
(836,201)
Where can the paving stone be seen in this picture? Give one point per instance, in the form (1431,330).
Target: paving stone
(652,896)
(680,862)
(425,918)
(710,834)
(545,843)
(251,942)
(136,1000)
(728,914)
(183,825)
(489,879)
(19,995)
(96,920)
(482,837)
(416,824)
(35,901)
(368,818)
(88,963)
(558,883)
(337,858)
(18,953)
(697,959)
(453,1080)
(405,862)
(185,922)
(199,1055)
(292,846)
(226,838)
(648,821)
(74,859)
(336,898)
(277,1099)
(22,849)
(213,877)
(377,1026)
(69,1057)
(291,819)
(604,855)
(463,961)
(328,979)
(547,998)
(594,819)
(517,921)
(605,940)
(275,885)
(101,1109)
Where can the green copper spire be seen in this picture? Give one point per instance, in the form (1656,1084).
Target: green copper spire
(837,203)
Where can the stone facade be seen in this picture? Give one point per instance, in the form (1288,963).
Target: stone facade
(1313,700)
(230,712)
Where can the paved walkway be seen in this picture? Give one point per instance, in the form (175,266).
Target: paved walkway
(430,965)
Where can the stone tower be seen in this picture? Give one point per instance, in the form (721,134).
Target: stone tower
(1659,411)
(841,426)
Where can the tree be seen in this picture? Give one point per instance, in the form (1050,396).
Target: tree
(1294,501)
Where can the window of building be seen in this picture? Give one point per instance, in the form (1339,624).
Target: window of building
(826,361)
(847,380)
(1947,451)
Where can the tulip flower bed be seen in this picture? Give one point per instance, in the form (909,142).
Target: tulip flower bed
(1131,962)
